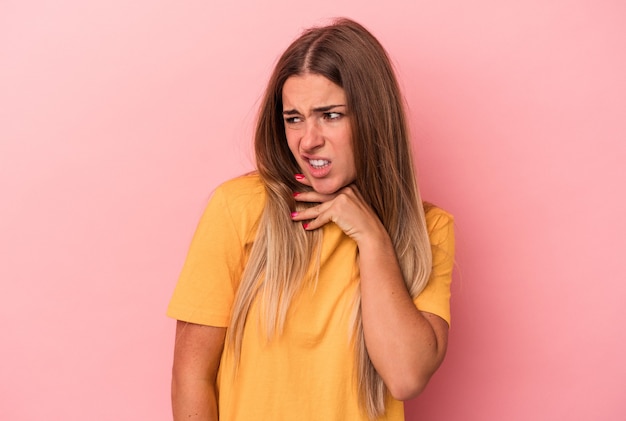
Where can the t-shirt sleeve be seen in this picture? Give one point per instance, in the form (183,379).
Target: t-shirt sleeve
(435,298)
(206,287)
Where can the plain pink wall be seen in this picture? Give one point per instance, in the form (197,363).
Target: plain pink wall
(118,118)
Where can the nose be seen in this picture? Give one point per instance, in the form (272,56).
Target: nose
(312,137)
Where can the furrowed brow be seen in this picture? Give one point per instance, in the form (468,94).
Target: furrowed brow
(323,109)
(327,108)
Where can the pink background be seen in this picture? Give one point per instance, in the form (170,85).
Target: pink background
(118,118)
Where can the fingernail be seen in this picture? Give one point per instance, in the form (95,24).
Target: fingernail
(294,214)
(305,225)
(295,194)
(299,176)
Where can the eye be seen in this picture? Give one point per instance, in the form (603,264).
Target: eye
(292,120)
(331,115)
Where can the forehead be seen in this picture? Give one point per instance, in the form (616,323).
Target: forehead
(308,91)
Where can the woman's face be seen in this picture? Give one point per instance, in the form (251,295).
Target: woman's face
(317,126)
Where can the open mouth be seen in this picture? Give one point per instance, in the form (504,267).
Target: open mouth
(318,163)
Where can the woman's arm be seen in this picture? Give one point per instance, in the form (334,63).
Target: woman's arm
(405,345)
(197,355)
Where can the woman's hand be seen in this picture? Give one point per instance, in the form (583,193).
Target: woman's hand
(346,208)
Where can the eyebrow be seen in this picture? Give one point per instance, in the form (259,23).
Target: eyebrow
(317,109)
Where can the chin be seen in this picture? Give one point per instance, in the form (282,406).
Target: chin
(324,188)
(325,191)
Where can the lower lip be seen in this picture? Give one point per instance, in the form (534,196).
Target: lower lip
(318,172)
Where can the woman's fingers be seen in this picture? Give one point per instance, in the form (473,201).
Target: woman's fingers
(311,218)
(344,207)
(301,178)
(313,197)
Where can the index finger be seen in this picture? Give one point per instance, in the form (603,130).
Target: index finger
(313,196)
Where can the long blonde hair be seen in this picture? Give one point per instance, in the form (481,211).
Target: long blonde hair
(284,256)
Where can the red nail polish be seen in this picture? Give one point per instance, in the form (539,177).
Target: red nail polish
(295,194)
(293,214)
(305,225)
(299,176)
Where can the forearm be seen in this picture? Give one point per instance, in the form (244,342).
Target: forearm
(197,355)
(193,399)
(400,340)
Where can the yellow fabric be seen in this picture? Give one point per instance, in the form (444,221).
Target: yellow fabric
(307,373)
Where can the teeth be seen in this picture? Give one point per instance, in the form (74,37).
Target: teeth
(318,163)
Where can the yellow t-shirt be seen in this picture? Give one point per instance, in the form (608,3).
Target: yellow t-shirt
(308,372)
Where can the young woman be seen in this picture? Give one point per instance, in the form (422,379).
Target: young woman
(317,287)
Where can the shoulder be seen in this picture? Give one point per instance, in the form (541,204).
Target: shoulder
(436,217)
(236,204)
(247,185)
(440,224)
(245,192)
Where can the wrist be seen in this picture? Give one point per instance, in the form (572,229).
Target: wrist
(376,241)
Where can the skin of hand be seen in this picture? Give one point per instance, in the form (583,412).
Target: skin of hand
(345,208)
(405,345)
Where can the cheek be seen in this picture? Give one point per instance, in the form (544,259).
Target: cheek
(291,144)
(348,149)
(352,162)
